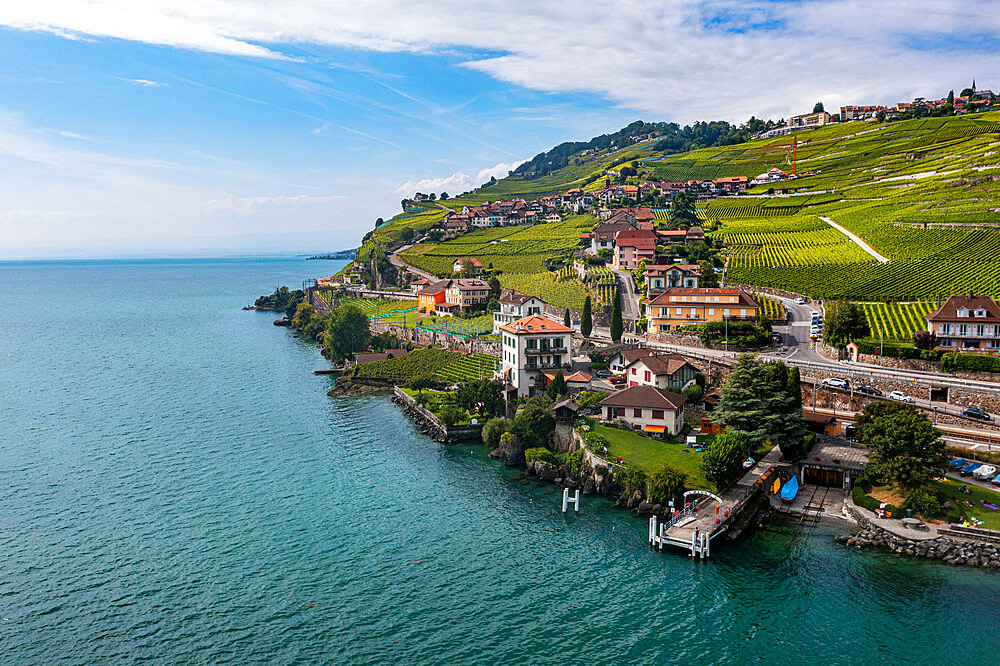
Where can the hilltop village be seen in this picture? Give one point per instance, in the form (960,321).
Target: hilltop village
(804,324)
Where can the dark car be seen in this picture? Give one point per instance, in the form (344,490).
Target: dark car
(869,390)
(976,413)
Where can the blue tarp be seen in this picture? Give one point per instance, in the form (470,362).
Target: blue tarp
(970,468)
(790,489)
(958,462)
(997,480)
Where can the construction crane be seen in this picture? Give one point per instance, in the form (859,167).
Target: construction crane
(795,146)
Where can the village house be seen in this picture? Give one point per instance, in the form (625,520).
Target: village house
(419,285)
(633,246)
(604,235)
(732,183)
(817,119)
(648,409)
(474,265)
(514,305)
(966,323)
(665,371)
(453,295)
(530,346)
(659,278)
(681,306)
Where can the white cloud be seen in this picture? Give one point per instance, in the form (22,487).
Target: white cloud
(457,182)
(259,204)
(145,83)
(677,59)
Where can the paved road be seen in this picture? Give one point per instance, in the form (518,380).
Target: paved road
(630,300)
(394,259)
(863,245)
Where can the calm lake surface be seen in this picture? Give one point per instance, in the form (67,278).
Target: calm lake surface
(176,487)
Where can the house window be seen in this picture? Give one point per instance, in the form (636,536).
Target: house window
(944,329)
(633,371)
(647,375)
(657,414)
(637,413)
(620,412)
(980,330)
(678,311)
(993,344)
(963,329)
(725,313)
(743,313)
(946,342)
(711,311)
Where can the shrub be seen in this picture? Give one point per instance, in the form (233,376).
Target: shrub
(924,503)
(533,425)
(810,441)
(451,415)
(972,362)
(692,392)
(494,430)
(666,484)
(631,480)
(574,460)
(543,454)
(866,501)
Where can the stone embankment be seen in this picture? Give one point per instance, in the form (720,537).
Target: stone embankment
(431,425)
(970,553)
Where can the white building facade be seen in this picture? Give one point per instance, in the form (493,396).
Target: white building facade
(529,346)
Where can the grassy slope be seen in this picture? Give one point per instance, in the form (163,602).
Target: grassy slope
(651,455)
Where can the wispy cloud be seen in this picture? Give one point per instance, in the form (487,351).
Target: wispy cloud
(457,182)
(253,205)
(146,83)
(681,59)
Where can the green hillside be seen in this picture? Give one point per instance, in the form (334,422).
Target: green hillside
(924,193)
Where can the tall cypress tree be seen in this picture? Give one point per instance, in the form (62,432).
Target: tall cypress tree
(617,328)
(586,318)
(566,319)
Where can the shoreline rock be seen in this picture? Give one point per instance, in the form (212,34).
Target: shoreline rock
(951,551)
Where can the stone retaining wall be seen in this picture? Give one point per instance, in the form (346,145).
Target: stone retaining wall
(431,425)
(451,342)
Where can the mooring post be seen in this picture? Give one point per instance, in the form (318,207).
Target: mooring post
(652,530)
(565,499)
(576,502)
(663,533)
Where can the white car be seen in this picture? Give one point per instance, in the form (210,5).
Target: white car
(985,472)
(800,301)
(900,396)
(836,382)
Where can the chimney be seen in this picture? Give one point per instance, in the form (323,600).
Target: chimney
(939,300)
(970,295)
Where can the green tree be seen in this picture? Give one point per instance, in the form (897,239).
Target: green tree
(708,278)
(617,328)
(760,400)
(566,319)
(557,387)
(481,395)
(818,107)
(303,313)
(379,222)
(421,382)
(682,210)
(406,234)
(444,196)
(667,484)
(346,331)
(494,286)
(292,304)
(493,430)
(845,323)
(451,415)
(533,425)
(723,461)
(586,318)
(493,305)
(905,447)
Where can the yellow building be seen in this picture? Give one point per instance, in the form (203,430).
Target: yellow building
(682,306)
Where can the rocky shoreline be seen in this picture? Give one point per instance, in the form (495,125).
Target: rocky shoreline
(969,553)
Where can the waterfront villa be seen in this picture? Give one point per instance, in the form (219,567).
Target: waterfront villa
(515,305)
(966,323)
(529,346)
(645,408)
(681,306)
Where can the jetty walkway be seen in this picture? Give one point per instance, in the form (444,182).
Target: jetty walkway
(710,515)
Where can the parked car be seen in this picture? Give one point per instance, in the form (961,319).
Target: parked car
(776,337)
(869,390)
(900,396)
(836,382)
(976,413)
(800,301)
(604,374)
(617,379)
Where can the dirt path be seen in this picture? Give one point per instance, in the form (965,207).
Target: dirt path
(863,245)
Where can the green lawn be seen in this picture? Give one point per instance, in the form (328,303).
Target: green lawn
(436,401)
(990,518)
(651,455)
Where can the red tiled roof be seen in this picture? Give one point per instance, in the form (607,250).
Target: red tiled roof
(949,309)
(648,397)
(638,238)
(535,324)
(662,364)
(516,297)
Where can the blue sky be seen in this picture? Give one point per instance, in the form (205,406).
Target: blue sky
(153,128)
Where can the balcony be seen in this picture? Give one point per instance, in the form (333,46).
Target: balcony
(544,366)
(544,350)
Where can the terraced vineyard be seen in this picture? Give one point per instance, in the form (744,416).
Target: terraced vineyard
(770,307)
(445,365)
(469,367)
(897,321)
(455,326)
(547,286)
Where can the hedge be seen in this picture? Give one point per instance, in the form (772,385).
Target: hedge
(970,361)
(898,350)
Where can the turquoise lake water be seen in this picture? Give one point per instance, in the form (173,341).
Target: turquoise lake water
(176,487)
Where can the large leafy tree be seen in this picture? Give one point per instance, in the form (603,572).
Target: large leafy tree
(845,323)
(763,401)
(533,425)
(346,331)
(682,210)
(723,462)
(483,396)
(617,328)
(905,447)
(557,386)
(586,318)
